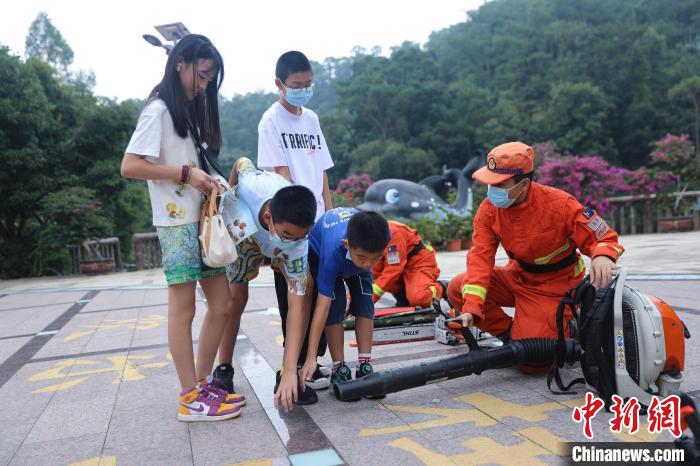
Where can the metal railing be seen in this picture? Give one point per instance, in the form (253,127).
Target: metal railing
(104,248)
(147,251)
(641,214)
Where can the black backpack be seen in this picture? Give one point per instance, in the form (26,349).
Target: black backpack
(592,327)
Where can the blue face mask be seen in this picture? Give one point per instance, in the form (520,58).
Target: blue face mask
(284,244)
(298,97)
(500,197)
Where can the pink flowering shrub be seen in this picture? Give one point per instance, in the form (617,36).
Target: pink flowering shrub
(674,169)
(673,152)
(351,190)
(590,179)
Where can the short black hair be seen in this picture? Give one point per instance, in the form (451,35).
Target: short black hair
(521,177)
(368,231)
(294,204)
(291,62)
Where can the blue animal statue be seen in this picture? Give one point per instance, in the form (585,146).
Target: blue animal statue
(397,198)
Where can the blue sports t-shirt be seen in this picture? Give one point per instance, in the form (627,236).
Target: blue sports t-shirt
(325,239)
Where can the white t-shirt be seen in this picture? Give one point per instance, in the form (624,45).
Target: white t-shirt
(288,140)
(254,188)
(155,138)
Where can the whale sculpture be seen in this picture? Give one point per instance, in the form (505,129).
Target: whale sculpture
(398,198)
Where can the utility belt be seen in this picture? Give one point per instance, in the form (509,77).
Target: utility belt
(546,268)
(416,249)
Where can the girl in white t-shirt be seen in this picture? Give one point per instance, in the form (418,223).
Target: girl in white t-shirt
(163,152)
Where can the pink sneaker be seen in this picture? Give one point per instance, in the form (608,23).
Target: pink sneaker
(222,395)
(198,405)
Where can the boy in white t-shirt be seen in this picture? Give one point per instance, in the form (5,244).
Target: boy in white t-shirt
(291,143)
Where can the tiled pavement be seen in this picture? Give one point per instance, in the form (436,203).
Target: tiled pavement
(86,378)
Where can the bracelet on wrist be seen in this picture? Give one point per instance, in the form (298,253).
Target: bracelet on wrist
(185,174)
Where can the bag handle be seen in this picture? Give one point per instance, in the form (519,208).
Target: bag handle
(209,212)
(212,201)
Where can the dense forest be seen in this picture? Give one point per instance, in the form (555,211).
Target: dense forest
(603,77)
(593,77)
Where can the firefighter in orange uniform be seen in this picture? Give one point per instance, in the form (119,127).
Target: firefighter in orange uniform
(408,269)
(544,231)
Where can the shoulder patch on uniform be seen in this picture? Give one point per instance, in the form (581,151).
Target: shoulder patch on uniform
(588,212)
(393,257)
(595,223)
(602,230)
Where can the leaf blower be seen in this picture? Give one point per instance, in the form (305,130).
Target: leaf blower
(628,343)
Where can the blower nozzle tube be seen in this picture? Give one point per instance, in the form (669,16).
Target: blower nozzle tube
(530,350)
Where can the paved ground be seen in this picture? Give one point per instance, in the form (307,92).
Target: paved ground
(86,379)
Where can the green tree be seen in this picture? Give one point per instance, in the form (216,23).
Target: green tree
(60,149)
(46,43)
(575,119)
(392,159)
(239,125)
(688,92)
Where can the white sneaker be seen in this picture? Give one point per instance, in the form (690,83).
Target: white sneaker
(319,381)
(325,370)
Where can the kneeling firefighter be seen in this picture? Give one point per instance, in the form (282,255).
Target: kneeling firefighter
(408,270)
(627,343)
(542,230)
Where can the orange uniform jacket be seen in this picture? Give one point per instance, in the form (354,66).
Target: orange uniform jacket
(544,229)
(388,274)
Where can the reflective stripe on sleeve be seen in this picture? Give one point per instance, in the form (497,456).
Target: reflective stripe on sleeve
(378,291)
(433,290)
(475,290)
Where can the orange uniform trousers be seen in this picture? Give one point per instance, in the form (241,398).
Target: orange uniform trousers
(419,279)
(535,298)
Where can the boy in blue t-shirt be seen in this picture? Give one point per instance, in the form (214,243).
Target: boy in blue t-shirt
(344,245)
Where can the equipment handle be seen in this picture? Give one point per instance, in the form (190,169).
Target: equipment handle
(466,333)
(469,339)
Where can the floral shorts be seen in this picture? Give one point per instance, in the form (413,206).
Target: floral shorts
(182,257)
(247,266)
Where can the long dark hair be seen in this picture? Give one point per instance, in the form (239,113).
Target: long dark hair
(203,110)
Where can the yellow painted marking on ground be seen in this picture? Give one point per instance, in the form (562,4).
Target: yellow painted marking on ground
(61,386)
(141,323)
(57,371)
(642,435)
(122,366)
(97,461)
(260,462)
(445,417)
(497,408)
(275,323)
(425,455)
(488,408)
(545,439)
(573,402)
(279,339)
(484,450)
